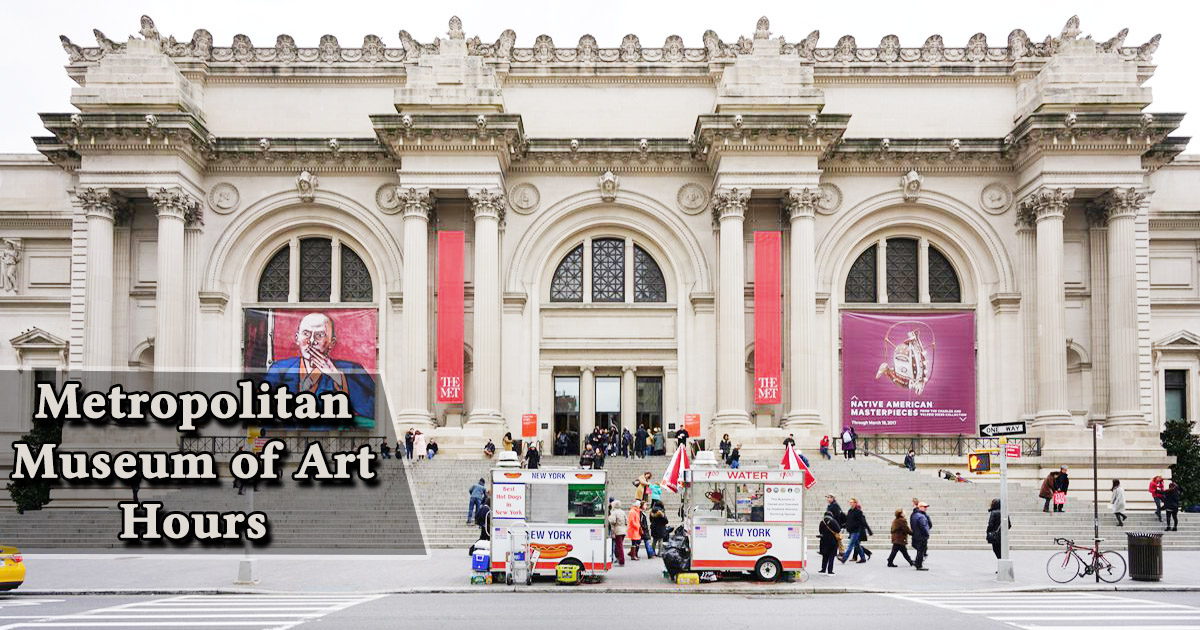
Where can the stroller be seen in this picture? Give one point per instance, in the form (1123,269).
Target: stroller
(677,552)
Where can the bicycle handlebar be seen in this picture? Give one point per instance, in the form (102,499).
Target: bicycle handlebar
(1064,541)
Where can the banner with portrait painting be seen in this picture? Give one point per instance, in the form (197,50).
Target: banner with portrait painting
(318,350)
(909,373)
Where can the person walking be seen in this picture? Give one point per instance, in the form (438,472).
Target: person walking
(993,527)
(627,446)
(1118,502)
(1061,483)
(1171,499)
(830,539)
(726,446)
(825,447)
(857,527)
(900,533)
(921,527)
(1047,490)
(409,436)
(533,457)
(477,494)
(618,524)
(659,442)
(640,446)
(481,518)
(419,446)
(848,442)
(634,530)
(910,460)
(1156,493)
(658,527)
(645,529)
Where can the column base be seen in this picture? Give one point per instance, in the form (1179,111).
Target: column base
(1126,419)
(1053,417)
(412,418)
(732,418)
(484,417)
(802,418)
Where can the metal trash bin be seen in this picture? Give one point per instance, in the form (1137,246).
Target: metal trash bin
(1145,556)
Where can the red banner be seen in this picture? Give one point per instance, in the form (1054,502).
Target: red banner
(529,425)
(691,424)
(449,317)
(768,318)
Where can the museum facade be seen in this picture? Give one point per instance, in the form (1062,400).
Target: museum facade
(756,238)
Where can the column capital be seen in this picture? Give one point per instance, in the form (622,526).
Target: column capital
(101,203)
(416,202)
(730,203)
(1117,203)
(587,368)
(801,203)
(178,204)
(629,368)
(1044,203)
(488,203)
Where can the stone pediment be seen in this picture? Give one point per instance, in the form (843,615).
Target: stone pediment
(35,340)
(1179,340)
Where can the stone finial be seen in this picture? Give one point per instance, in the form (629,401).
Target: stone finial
(306,186)
(456,29)
(74,52)
(609,183)
(148,31)
(762,30)
(1071,29)
(910,185)
(1146,51)
(1115,44)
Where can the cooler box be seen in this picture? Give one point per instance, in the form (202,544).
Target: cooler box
(567,573)
(687,578)
(481,561)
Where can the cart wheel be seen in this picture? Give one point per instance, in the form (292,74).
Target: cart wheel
(508,579)
(768,570)
(529,580)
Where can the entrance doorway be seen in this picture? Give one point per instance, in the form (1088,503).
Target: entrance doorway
(608,402)
(649,402)
(566,415)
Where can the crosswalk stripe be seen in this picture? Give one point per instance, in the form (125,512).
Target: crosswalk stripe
(1064,611)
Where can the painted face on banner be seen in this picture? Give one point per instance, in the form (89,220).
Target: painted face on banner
(314,335)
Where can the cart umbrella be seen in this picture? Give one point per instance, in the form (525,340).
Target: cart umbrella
(792,461)
(674,475)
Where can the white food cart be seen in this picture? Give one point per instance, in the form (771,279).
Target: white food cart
(561,513)
(745,520)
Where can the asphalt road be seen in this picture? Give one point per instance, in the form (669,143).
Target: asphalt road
(1029,611)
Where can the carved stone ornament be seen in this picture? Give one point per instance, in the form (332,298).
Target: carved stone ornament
(910,185)
(692,198)
(524,198)
(306,186)
(488,202)
(608,186)
(1044,203)
(175,202)
(388,199)
(416,202)
(730,202)
(829,199)
(800,203)
(10,258)
(996,198)
(224,198)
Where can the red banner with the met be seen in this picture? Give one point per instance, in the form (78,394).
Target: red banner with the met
(450,318)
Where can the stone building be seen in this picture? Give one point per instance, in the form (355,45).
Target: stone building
(609,196)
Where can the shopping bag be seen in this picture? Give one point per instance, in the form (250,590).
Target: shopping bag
(1060,498)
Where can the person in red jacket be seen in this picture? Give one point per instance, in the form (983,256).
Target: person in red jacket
(1156,492)
(825,447)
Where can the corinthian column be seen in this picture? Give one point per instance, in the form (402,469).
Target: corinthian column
(1122,205)
(801,205)
(729,210)
(1046,208)
(100,206)
(489,211)
(174,208)
(415,368)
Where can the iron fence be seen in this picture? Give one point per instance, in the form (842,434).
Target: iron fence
(959,445)
(228,444)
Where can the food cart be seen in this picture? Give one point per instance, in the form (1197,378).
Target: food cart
(745,520)
(555,516)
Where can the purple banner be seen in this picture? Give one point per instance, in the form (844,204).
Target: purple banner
(909,373)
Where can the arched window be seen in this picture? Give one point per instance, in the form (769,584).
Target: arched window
(567,285)
(904,269)
(648,282)
(608,270)
(318,273)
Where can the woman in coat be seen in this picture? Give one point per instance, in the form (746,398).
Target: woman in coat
(993,527)
(1118,502)
(900,533)
(658,527)
(828,530)
(634,529)
(858,528)
(1047,491)
(725,447)
(508,441)
(618,525)
(1171,500)
(419,446)
(659,442)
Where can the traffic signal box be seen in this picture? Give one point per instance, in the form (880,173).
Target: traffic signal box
(980,462)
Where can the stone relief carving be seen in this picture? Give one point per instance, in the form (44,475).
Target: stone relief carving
(910,185)
(524,198)
(388,199)
(692,198)
(306,186)
(10,257)
(223,198)
(829,198)
(608,186)
(996,198)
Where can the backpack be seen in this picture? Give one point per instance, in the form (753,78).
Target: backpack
(841,519)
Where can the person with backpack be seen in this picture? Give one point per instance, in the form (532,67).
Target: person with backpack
(858,528)
(477,494)
(831,539)
(1171,499)
(993,527)
(641,445)
(900,533)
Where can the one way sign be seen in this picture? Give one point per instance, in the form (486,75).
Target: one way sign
(997,430)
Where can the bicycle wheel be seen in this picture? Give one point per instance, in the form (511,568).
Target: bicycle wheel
(1063,567)
(1111,566)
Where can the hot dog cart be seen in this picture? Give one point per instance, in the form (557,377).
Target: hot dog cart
(745,520)
(553,515)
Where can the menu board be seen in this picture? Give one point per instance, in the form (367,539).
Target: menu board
(783,503)
(508,500)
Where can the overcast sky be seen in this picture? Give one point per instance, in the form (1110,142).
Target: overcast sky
(33,79)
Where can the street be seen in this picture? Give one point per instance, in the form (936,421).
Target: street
(1027,611)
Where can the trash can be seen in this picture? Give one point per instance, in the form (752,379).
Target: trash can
(1145,556)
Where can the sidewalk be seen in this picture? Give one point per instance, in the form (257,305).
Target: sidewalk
(447,571)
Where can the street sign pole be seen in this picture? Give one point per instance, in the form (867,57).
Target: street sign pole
(1004,566)
(1095,495)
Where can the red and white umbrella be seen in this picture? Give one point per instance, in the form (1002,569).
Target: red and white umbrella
(674,476)
(792,461)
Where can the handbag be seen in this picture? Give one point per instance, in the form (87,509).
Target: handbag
(1060,498)
(993,537)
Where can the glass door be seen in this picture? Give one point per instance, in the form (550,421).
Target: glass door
(566,415)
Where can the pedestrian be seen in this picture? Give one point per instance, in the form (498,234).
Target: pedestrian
(618,523)
(830,541)
(681,437)
(735,457)
(489,449)
(481,518)
(476,493)
(587,458)
(1156,493)
(659,442)
(655,494)
(385,451)
(658,526)
(640,444)
(641,487)
(790,440)
(900,533)
(1118,502)
(419,447)
(634,530)
(432,449)
(1047,491)
(725,446)
(858,528)
(238,483)
(910,460)
(848,443)
(508,441)
(825,447)
(1061,483)
(533,457)
(920,526)
(835,509)
(645,529)
(399,448)
(1171,499)
(408,443)
(993,527)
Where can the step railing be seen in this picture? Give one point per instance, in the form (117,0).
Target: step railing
(959,445)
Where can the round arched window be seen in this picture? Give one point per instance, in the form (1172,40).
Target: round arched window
(322,264)
(903,267)
(608,270)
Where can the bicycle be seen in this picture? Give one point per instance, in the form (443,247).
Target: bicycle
(1065,566)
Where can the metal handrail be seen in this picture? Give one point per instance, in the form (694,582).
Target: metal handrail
(958,445)
(228,444)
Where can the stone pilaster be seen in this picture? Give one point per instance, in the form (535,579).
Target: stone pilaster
(415,372)
(1048,206)
(489,207)
(1027,244)
(1121,205)
(800,207)
(173,207)
(100,207)
(729,211)
(1097,217)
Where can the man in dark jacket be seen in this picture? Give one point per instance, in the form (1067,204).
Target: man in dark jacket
(533,457)
(481,519)
(477,494)
(639,442)
(1060,485)
(836,510)
(993,527)
(920,525)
